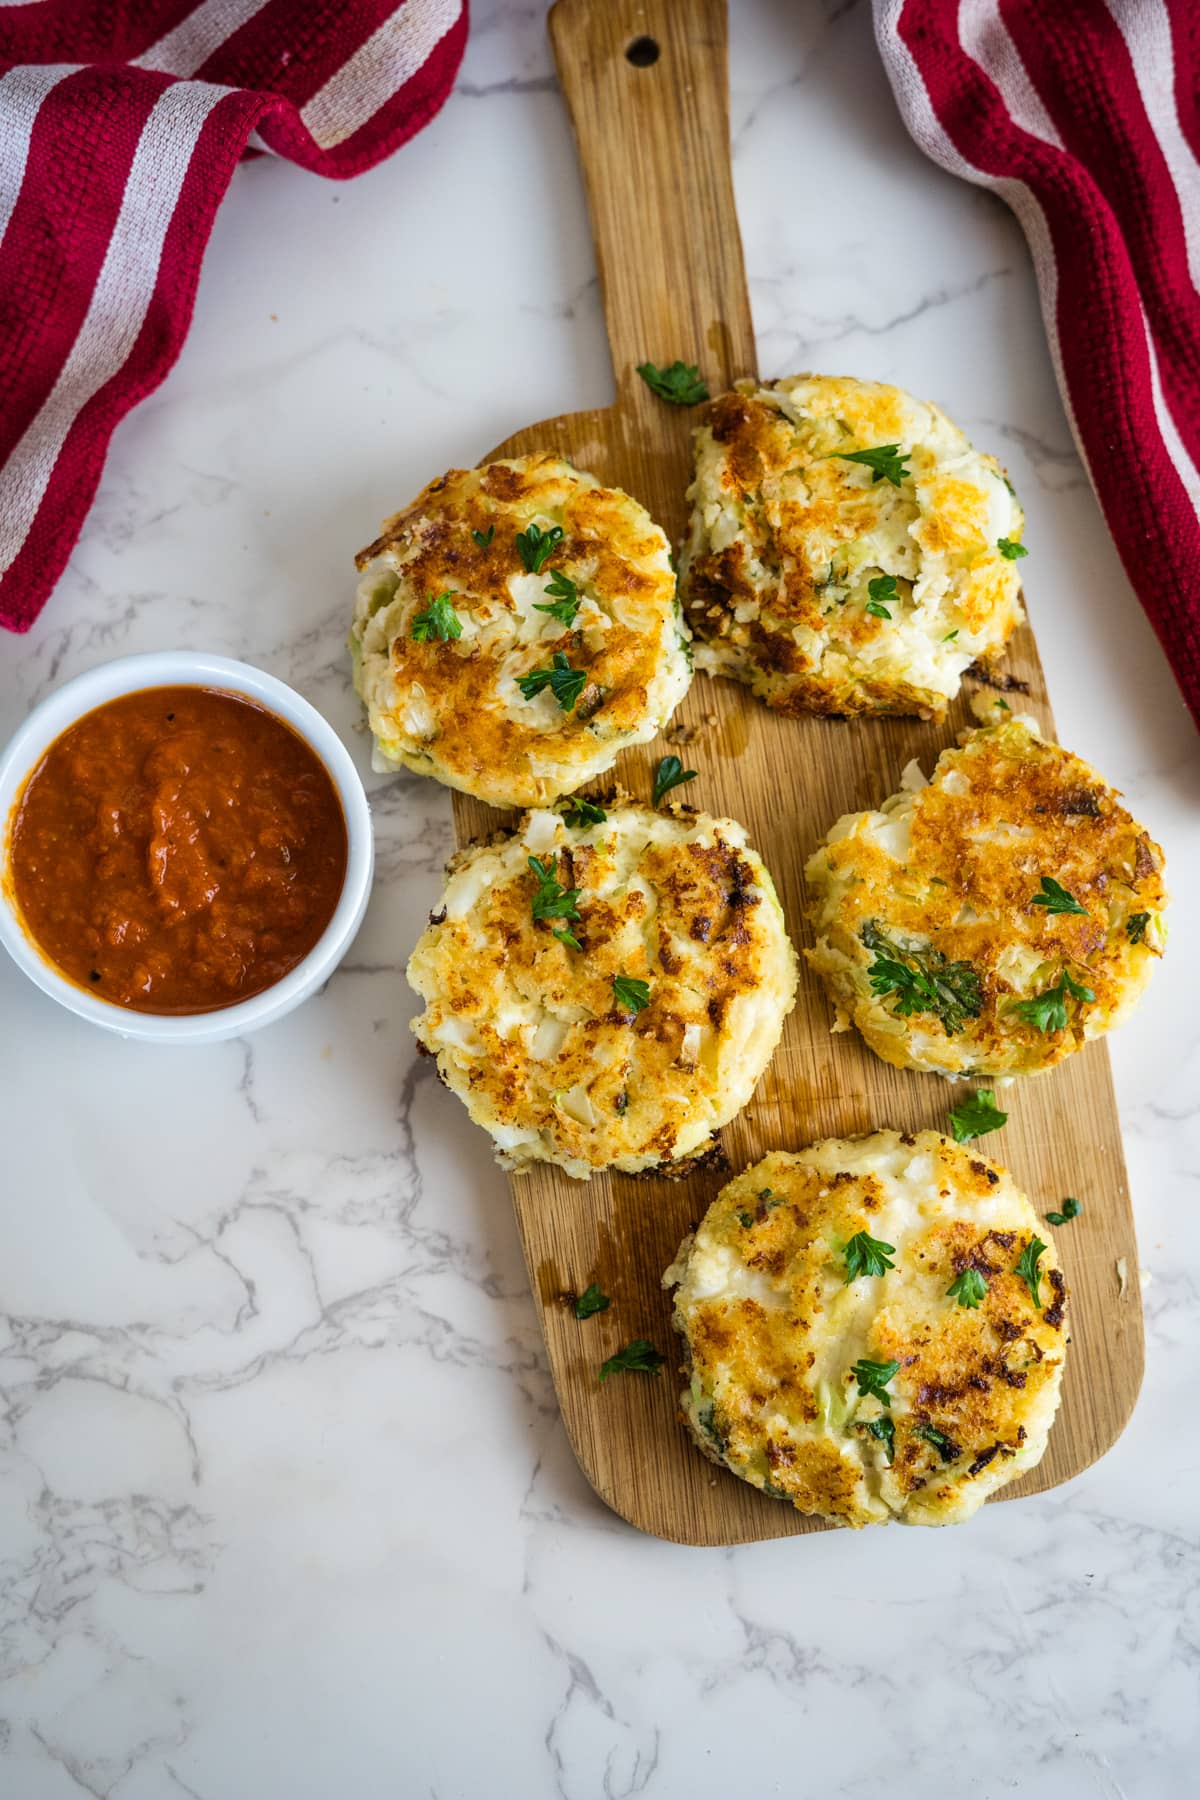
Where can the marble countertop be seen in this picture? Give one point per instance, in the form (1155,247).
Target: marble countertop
(286,1510)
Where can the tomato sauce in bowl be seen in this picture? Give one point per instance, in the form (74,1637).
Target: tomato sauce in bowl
(177,850)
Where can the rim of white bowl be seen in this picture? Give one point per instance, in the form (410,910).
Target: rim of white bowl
(190,668)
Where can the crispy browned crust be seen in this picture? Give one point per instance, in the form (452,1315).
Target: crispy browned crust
(1002,811)
(695,925)
(974,1376)
(762,450)
(478,743)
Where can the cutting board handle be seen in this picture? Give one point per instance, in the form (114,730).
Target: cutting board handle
(647,86)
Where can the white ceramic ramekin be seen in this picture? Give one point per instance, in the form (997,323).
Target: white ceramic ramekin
(188,668)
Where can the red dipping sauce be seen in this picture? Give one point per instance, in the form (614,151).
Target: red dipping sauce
(177,850)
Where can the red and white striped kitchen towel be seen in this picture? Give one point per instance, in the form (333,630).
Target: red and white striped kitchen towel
(120,127)
(1084,115)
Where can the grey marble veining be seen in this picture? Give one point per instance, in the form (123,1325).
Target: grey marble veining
(286,1511)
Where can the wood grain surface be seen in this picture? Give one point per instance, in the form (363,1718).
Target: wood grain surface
(654,143)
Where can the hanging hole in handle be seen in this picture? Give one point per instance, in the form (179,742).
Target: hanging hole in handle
(643,53)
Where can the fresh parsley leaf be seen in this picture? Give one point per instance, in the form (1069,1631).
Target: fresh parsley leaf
(950,637)
(551,900)
(535,545)
(669,774)
(977,1115)
(883,592)
(681,383)
(566,602)
(941,1443)
(630,994)
(1135,926)
(591,1301)
(640,1355)
(968,1288)
(866,1255)
(885,462)
(833,583)
(484,538)
(567,938)
(438,620)
(745,1220)
(885,1430)
(1071,1209)
(564,682)
(1008,547)
(873,1377)
(1026,1267)
(576,810)
(1056,899)
(923,981)
(1048,1011)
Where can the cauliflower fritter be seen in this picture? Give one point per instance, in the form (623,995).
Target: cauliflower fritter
(605,996)
(860,1330)
(515,628)
(849,552)
(992,920)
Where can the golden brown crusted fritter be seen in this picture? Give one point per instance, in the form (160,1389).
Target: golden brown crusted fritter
(454,709)
(773,1330)
(952,874)
(530,1032)
(787,537)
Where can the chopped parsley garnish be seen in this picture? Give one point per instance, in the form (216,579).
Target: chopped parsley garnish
(885,462)
(630,994)
(1048,1011)
(1056,899)
(578,811)
(564,682)
(968,1288)
(681,384)
(551,900)
(1026,1267)
(640,1356)
(941,1443)
(923,981)
(767,1202)
(873,1377)
(535,545)
(484,538)
(1071,1209)
(669,774)
(591,1301)
(569,939)
(883,592)
(885,1431)
(977,1115)
(1135,926)
(438,620)
(950,637)
(866,1255)
(1008,547)
(565,603)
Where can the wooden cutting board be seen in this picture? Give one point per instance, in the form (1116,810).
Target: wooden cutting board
(647,88)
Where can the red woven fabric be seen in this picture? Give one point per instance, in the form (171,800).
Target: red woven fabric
(1085,117)
(120,128)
